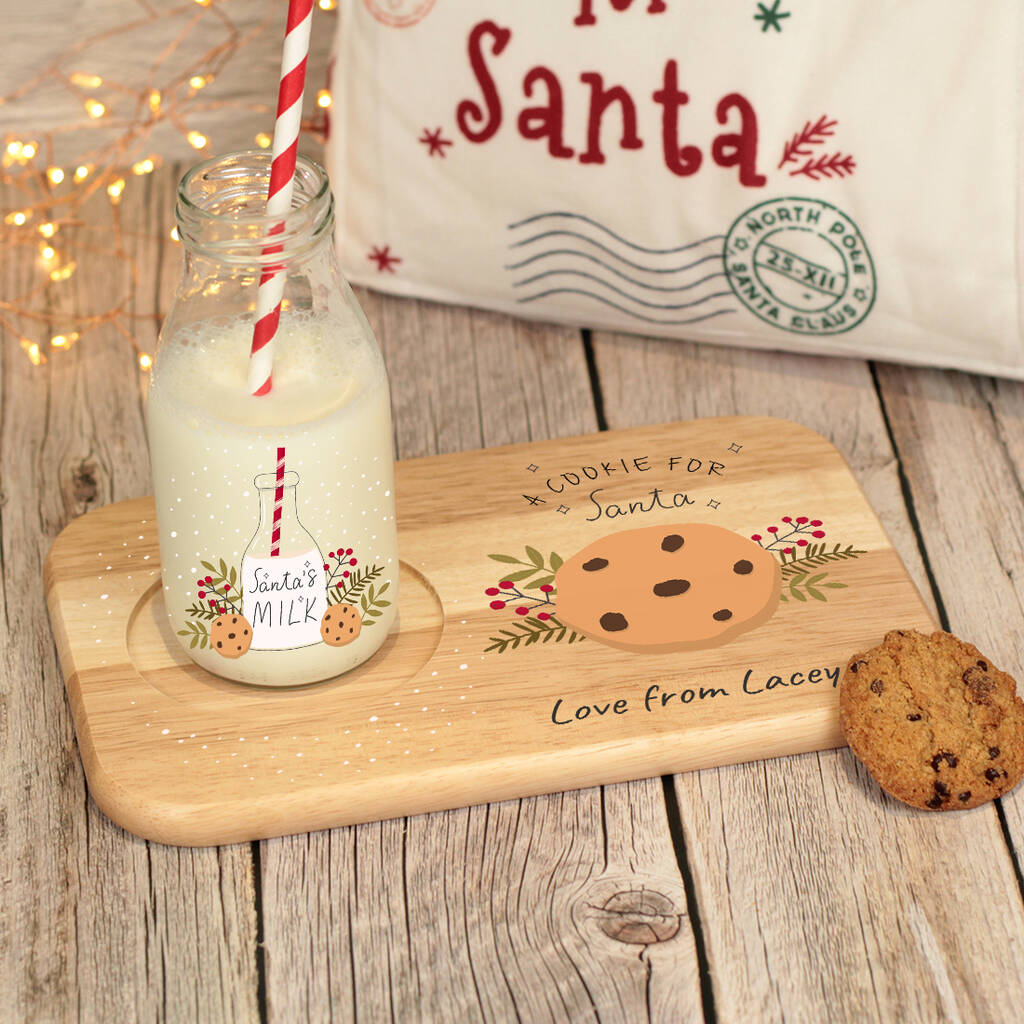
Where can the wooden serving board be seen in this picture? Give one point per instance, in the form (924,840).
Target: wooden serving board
(467,703)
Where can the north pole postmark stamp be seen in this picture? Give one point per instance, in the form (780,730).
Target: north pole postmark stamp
(802,265)
(399,13)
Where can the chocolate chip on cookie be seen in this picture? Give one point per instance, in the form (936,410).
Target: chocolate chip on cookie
(935,723)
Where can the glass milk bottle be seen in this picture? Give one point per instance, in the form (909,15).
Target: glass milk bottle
(276,512)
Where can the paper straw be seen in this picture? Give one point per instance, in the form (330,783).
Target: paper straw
(279,195)
(275,537)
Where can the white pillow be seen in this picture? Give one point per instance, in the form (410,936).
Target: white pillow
(832,178)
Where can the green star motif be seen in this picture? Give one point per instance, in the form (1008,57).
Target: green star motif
(771,16)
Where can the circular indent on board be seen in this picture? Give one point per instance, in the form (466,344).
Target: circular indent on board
(163,664)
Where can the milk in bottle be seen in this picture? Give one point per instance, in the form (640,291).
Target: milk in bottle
(276,513)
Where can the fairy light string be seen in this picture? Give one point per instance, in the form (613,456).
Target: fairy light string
(44,221)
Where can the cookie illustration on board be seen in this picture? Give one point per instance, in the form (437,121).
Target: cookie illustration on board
(668,588)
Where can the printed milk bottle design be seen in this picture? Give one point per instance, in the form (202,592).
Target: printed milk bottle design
(284,588)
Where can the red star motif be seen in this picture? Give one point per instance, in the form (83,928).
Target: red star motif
(433,140)
(381,255)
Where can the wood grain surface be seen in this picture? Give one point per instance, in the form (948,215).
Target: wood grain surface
(788,889)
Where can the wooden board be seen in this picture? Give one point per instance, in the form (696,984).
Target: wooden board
(443,716)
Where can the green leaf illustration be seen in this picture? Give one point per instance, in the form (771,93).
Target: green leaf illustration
(196,631)
(519,574)
(815,555)
(532,630)
(803,585)
(354,585)
(537,571)
(370,602)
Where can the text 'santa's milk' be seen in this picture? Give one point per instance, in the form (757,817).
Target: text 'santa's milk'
(276,513)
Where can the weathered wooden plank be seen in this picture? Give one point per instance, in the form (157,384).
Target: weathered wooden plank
(104,926)
(493,912)
(227,110)
(820,897)
(961,438)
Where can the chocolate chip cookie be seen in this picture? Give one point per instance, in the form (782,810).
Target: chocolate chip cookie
(936,724)
(231,635)
(668,588)
(340,625)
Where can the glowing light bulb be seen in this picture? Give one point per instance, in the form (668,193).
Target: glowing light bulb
(94,108)
(114,190)
(144,166)
(155,99)
(18,217)
(328,5)
(82,172)
(59,341)
(55,174)
(197,140)
(32,349)
(29,150)
(323,98)
(48,230)
(263,140)
(47,252)
(200,81)
(85,80)
(145,361)
(63,273)
(15,148)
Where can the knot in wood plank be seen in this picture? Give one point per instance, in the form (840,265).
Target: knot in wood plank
(640,916)
(83,482)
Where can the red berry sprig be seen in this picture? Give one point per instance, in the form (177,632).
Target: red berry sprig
(217,598)
(342,568)
(793,534)
(506,592)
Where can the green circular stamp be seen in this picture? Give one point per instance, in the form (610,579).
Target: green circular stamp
(802,265)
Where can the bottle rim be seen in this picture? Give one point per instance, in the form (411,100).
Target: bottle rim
(216,200)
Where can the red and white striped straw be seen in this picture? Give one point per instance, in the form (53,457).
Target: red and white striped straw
(279,195)
(275,536)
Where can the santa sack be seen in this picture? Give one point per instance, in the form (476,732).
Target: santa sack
(828,178)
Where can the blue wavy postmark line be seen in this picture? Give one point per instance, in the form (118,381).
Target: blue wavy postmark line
(639,284)
(623,309)
(614,254)
(608,231)
(714,257)
(607,283)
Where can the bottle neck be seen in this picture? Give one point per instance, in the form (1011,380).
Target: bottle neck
(268,503)
(221,213)
(292,537)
